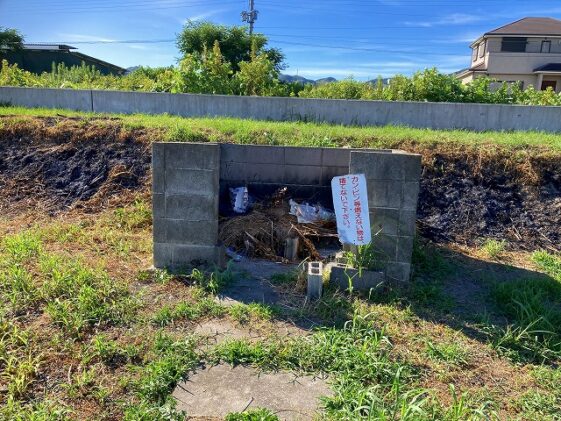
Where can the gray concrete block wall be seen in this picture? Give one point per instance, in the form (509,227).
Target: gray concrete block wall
(186,186)
(478,117)
(185,191)
(282,164)
(393,189)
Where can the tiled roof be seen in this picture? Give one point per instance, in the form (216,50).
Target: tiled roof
(530,26)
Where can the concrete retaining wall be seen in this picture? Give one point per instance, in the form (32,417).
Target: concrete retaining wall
(186,190)
(70,99)
(479,117)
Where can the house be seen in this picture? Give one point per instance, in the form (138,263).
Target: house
(39,58)
(527,51)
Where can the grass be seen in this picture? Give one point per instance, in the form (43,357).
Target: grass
(174,128)
(449,352)
(258,414)
(79,307)
(494,249)
(533,306)
(544,402)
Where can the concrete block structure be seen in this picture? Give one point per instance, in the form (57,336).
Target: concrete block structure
(185,183)
(393,188)
(315,280)
(188,179)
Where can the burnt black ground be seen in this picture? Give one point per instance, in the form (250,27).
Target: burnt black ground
(461,200)
(66,173)
(456,205)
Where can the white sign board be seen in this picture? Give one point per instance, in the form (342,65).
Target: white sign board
(350,202)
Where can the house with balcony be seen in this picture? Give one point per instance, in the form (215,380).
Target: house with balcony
(527,51)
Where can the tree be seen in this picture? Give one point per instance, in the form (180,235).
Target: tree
(235,43)
(258,76)
(10,39)
(207,73)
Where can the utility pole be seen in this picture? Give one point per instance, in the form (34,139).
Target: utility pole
(250,16)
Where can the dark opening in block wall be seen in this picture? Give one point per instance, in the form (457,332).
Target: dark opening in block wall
(191,179)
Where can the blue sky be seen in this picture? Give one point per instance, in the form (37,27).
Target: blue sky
(339,38)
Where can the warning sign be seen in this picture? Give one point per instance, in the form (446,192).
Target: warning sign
(350,202)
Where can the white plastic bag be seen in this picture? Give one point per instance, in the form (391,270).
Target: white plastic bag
(239,197)
(306,213)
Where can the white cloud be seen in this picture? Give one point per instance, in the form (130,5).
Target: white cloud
(318,72)
(83,37)
(451,19)
(463,38)
(385,68)
(202,16)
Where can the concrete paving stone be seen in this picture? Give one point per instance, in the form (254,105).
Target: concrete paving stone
(302,174)
(249,290)
(194,156)
(196,207)
(180,231)
(222,389)
(185,181)
(302,156)
(218,331)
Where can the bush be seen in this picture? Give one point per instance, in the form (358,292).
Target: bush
(210,73)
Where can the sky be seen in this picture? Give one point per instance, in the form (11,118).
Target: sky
(363,39)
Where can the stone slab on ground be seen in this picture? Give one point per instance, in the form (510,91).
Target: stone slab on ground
(219,390)
(217,331)
(254,286)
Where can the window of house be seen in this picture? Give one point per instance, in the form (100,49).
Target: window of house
(546,47)
(482,49)
(474,54)
(514,44)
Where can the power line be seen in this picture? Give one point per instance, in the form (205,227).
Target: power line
(141,6)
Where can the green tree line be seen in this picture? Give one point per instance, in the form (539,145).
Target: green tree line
(227,60)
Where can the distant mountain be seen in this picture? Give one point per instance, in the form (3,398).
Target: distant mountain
(325,80)
(129,70)
(301,79)
(385,81)
(295,78)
